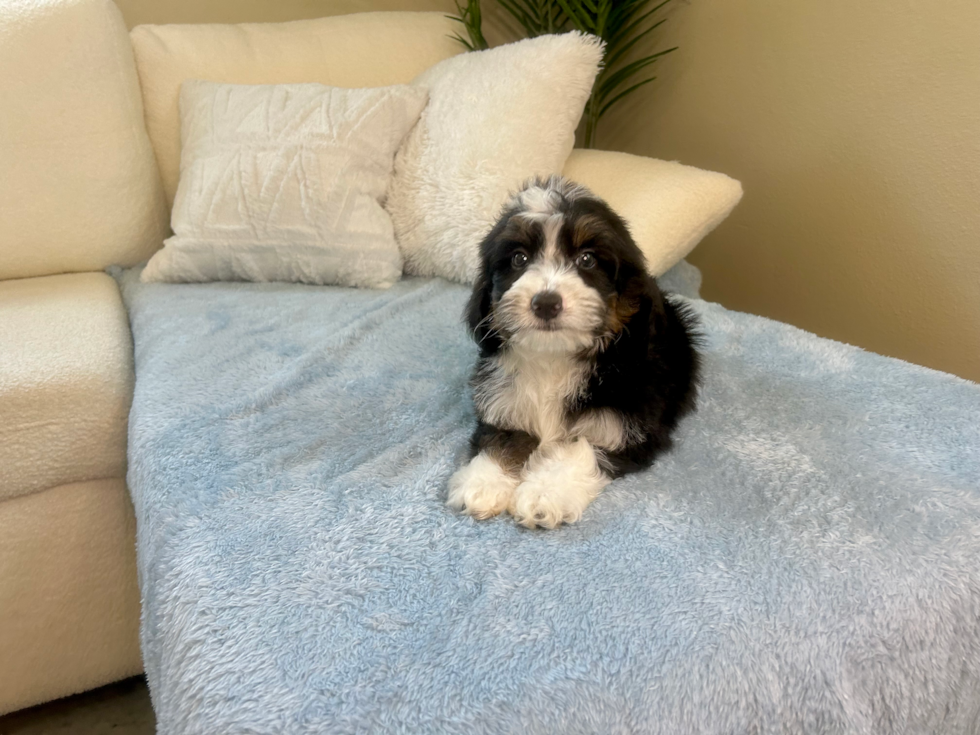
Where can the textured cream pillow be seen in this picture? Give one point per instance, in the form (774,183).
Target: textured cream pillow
(284,182)
(669,207)
(494,119)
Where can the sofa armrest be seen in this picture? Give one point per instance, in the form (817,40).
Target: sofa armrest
(669,207)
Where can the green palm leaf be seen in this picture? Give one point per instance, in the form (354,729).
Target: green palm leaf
(578,15)
(618,97)
(612,58)
(522,17)
(624,25)
(470,17)
(607,84)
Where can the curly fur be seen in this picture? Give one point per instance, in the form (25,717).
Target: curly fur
(582,388)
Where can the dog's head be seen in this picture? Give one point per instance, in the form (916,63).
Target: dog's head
(559,273)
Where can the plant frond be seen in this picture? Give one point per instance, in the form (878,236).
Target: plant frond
(631,26)
(622,13)
(578,16)
(467,44)
(623,24)
(469,16)
(607,84)
(624,49)
(521,16)
(618,97)
(602,18)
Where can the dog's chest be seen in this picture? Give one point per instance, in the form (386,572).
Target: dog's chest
(530,392)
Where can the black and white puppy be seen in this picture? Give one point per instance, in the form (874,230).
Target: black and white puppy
(584,368)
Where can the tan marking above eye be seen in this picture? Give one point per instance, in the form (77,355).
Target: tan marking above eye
(518,228)
(586,228)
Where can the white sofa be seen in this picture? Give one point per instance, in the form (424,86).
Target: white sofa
(81,189)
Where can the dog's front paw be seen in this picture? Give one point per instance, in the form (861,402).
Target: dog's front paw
(560,483)
(538,504)
(482,488)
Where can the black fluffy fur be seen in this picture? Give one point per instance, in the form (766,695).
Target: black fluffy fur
(647,370)
(650,378)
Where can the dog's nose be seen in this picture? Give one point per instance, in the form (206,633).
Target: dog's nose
(546,305)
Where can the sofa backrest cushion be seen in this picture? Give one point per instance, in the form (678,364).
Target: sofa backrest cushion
(359,50)
(79,188)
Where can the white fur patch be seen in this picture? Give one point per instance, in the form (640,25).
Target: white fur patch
(530,391)
(544,197)
(483,488)
(539,200)
(606,429)
(560,481)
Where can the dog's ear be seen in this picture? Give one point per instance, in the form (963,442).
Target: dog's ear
(633,281)
(478,315)
(478,311)
(642,306)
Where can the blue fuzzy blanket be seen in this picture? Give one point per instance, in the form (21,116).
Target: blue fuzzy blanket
(806,561)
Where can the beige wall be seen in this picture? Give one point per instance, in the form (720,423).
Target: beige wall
(855,129)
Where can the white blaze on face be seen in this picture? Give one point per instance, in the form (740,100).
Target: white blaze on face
(546,196)
(539,201)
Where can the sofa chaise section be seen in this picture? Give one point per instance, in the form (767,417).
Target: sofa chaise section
(69,602)
(80,191)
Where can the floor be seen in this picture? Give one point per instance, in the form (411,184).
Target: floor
(122,708)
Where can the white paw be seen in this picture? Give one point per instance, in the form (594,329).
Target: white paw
(560,483)
(482,488)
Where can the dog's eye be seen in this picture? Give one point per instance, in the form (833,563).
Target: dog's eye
(586,260)
(519,260)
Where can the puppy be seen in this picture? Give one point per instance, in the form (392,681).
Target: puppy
(584,367)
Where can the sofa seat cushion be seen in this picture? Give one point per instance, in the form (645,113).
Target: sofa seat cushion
(66,381)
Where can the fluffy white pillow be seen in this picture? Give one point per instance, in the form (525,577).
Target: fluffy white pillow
(494,119)
(284,182)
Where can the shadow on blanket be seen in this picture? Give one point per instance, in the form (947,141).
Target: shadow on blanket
(805,561)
